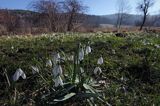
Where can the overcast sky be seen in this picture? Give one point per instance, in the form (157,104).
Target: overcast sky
(96,7)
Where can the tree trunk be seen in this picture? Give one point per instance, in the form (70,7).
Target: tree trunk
(69,26)
(143,22)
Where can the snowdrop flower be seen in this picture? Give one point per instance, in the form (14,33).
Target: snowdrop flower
(122,78)
(157,35)
(125,91)
(57,70)
(35,69)
(102,82)
(19,73)
(49,63)
(71,58)
(63,58)
(113,51)
(157,46)
(97,70)
(81,54)
(58,81)
(88,50)
(56,58)
(100,61)
(81,70)
(12,47)
(77,61)
(77,80)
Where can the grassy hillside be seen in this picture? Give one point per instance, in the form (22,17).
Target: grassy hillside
(130,71)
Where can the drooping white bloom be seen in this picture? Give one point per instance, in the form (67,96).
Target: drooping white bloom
(58,81)
(157,35)
(77,61)
(81,54)
(102,82)
(81,70)
(100,60)
(63,58)
(56,58)
(124,90)
(57,70)
(157,46)
(35,69)
(122,78)
(97,70)
(12,47)
(71,58)
(113,51)
(19,73)
(88,50)
(49,63)
(77,80)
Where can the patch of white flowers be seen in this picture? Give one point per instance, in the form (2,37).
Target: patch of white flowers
(57,71)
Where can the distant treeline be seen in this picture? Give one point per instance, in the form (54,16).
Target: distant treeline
(51,16)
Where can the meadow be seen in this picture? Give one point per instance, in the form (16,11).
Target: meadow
(60,69)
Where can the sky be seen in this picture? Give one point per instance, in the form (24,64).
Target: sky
(95,7)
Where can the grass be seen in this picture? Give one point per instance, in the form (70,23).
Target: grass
(136,58)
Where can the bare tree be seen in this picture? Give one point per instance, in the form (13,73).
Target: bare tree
(123,8)
(74,10)
(144,7)
(49,9)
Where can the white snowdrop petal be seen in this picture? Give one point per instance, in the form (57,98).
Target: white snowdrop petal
(54,71)
(157,46)
(56,58)
(23,76)
(49,63)
(12,47)
(82,70)
(16,76)
(88,50)
(35,69)
(57,70)
(71,58)
(100,61)
(81,54)
(19,73)
(60,70)
(58,81)
(97,70)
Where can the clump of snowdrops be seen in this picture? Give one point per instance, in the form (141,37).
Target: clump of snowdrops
(70,79)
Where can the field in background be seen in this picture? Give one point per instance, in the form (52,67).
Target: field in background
(135,57)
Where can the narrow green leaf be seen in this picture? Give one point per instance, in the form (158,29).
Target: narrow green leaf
(89,88)
(68,96)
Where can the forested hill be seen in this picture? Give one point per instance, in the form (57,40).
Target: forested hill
(95,20)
